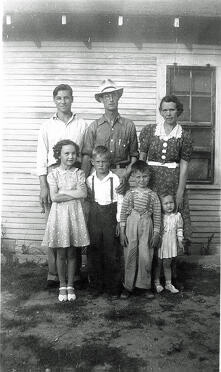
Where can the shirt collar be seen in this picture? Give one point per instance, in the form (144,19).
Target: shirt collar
(55,117)
(103,119)
(109,175)
(176,132)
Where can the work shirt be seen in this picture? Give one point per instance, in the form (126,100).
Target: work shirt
(102,191)
(52,131)
(120,138)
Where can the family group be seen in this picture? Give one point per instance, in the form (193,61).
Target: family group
(126,205)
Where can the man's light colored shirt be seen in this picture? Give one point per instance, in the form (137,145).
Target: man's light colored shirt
(54,130)
(102,191)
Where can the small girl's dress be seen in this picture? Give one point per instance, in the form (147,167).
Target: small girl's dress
(66,224)
(172,232)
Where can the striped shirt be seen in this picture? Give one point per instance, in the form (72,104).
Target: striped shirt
(145,201)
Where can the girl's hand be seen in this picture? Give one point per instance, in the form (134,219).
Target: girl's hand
(155,240)
(180,250)
(179,200)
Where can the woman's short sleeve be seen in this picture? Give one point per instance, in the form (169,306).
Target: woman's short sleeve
(145,137)
(187,146)
(51,179)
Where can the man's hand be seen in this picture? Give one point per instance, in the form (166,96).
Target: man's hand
(45,199)
(123,187)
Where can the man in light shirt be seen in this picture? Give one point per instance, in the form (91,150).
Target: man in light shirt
(62,125)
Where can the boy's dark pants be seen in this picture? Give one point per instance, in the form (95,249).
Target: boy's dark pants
(104,253)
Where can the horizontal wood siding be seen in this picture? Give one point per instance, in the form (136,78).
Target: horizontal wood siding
(31,73)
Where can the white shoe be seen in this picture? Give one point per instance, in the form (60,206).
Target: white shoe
(63,297)
(171,288)
(159,288)
(72,295)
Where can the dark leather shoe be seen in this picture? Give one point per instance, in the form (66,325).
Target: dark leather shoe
(52,284)
(125,294)
(78,285)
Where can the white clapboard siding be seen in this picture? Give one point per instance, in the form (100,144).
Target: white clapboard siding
(30,75)
(205,215)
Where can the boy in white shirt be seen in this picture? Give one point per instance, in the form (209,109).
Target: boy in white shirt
(104,254)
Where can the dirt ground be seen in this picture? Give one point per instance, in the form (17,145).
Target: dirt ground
(169,333)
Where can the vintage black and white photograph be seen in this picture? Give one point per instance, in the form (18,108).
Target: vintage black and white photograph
(111,179)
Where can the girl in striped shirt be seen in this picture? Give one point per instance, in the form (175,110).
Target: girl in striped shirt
(139,230)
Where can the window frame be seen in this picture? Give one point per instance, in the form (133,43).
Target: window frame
(170,69)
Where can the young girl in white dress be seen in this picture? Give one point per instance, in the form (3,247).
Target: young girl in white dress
(66,227)
(172,242)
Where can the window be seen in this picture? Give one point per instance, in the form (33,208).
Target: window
(195,87)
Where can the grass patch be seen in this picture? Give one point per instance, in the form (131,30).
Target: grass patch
(84,358)
(23,280)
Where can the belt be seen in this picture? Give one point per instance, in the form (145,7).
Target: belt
(167,165)
(119,166)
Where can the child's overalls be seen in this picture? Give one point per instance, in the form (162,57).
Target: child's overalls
(138,253)
(105,250)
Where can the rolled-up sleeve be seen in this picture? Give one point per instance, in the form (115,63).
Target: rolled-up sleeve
(42,152)
(133,141)
(89,139)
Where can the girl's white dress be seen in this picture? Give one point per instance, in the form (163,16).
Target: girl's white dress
(66,224)
(172,231)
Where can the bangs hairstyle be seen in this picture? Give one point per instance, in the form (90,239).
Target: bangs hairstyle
(168,193)
(62,87)
(174,99)
(57,148)
(141,166)
(101,150)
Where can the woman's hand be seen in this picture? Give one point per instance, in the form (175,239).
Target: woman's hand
(179,200)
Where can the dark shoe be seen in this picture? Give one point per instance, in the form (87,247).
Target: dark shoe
(96,292)
(149,295)
(78,285)
(52,284)
(125,294)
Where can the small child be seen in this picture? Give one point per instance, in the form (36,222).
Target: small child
(104,267)
(66,227)
(172,235)
(139,230)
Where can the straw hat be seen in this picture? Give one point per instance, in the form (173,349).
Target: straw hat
(108,86)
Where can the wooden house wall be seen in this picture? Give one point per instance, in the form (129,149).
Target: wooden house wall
(31,73)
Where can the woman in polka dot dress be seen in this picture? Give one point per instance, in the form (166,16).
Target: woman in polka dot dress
(168,148)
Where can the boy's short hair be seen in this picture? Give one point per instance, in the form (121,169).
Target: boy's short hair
(140,166)
(62,87)
(101,150)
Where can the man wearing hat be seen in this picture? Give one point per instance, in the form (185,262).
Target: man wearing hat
(115,132)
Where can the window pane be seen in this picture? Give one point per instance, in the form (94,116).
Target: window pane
(201,82)
(185,116)
(180,81)
(201,109)
(199,169)
(202,137)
